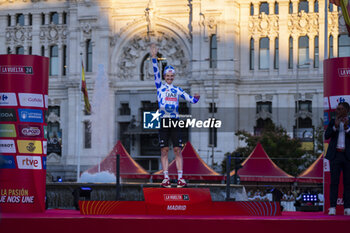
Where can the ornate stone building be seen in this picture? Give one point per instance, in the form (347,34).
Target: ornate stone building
(251,61)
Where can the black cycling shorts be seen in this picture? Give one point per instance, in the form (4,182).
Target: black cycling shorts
(173,133)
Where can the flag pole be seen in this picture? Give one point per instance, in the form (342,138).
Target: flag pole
(79,119)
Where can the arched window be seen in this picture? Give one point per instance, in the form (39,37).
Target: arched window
(316,6)
(251,54)
(303,50)
(64,60)
(330,52)
(88,56)
(316,53)
(20,19)
(290,57)
(54,60)
(264,53)
(54,18)
(330,7)
(276,58)
(264,7)
(251,9)
(9,20)
(290,7)
(276,8)
(303,6)
(19,50)
(30,19)
(343,46)
(43,51)
(213,51)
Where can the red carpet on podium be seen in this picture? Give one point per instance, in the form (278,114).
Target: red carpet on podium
(71,221)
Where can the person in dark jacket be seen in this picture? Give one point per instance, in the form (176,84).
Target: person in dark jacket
(338,154)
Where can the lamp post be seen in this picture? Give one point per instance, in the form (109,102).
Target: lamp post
(299,66)
(212,68)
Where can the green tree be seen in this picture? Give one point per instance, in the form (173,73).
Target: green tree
(285,151)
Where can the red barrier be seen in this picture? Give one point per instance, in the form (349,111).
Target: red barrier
(336,89)
(23,105)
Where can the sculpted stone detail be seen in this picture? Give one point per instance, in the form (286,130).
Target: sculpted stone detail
(138,47)
(86,28)
(333,23)
(303,22)
(53,33)
(263,114)
(263,25)
(18,34)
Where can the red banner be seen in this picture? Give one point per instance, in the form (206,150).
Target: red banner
(23,105)
(336,90)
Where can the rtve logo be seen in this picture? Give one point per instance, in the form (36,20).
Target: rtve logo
(29,162)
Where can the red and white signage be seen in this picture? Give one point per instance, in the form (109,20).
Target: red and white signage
(31,100)
(336,84)
(8,99)
(29,162)
(23,90)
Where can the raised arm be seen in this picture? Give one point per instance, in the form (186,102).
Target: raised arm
(153,53)
(192,99)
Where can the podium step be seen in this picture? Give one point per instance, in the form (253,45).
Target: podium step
(179,201)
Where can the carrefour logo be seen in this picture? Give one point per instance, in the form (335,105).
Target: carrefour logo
(30,115)
(8,99)
(31,100)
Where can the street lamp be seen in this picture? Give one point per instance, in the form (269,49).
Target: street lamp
(299,66)
(212,99)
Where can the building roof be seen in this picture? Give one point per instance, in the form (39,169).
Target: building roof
(259,167)
(194,168)
(129,169)
(314,173)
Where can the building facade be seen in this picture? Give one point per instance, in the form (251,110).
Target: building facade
(252,62)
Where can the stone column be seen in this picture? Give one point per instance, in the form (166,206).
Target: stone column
(60,17)
(60,57)
(47,19)
(295,52)
(311,6)
(272,52)
(311,50)
(295,6)
(271,7)
(256,53)
(26,19)
(244,38)
(256,8)
(283,37)
(13,19)
(36,50)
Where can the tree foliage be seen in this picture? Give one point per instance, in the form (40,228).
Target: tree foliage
(285,152)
